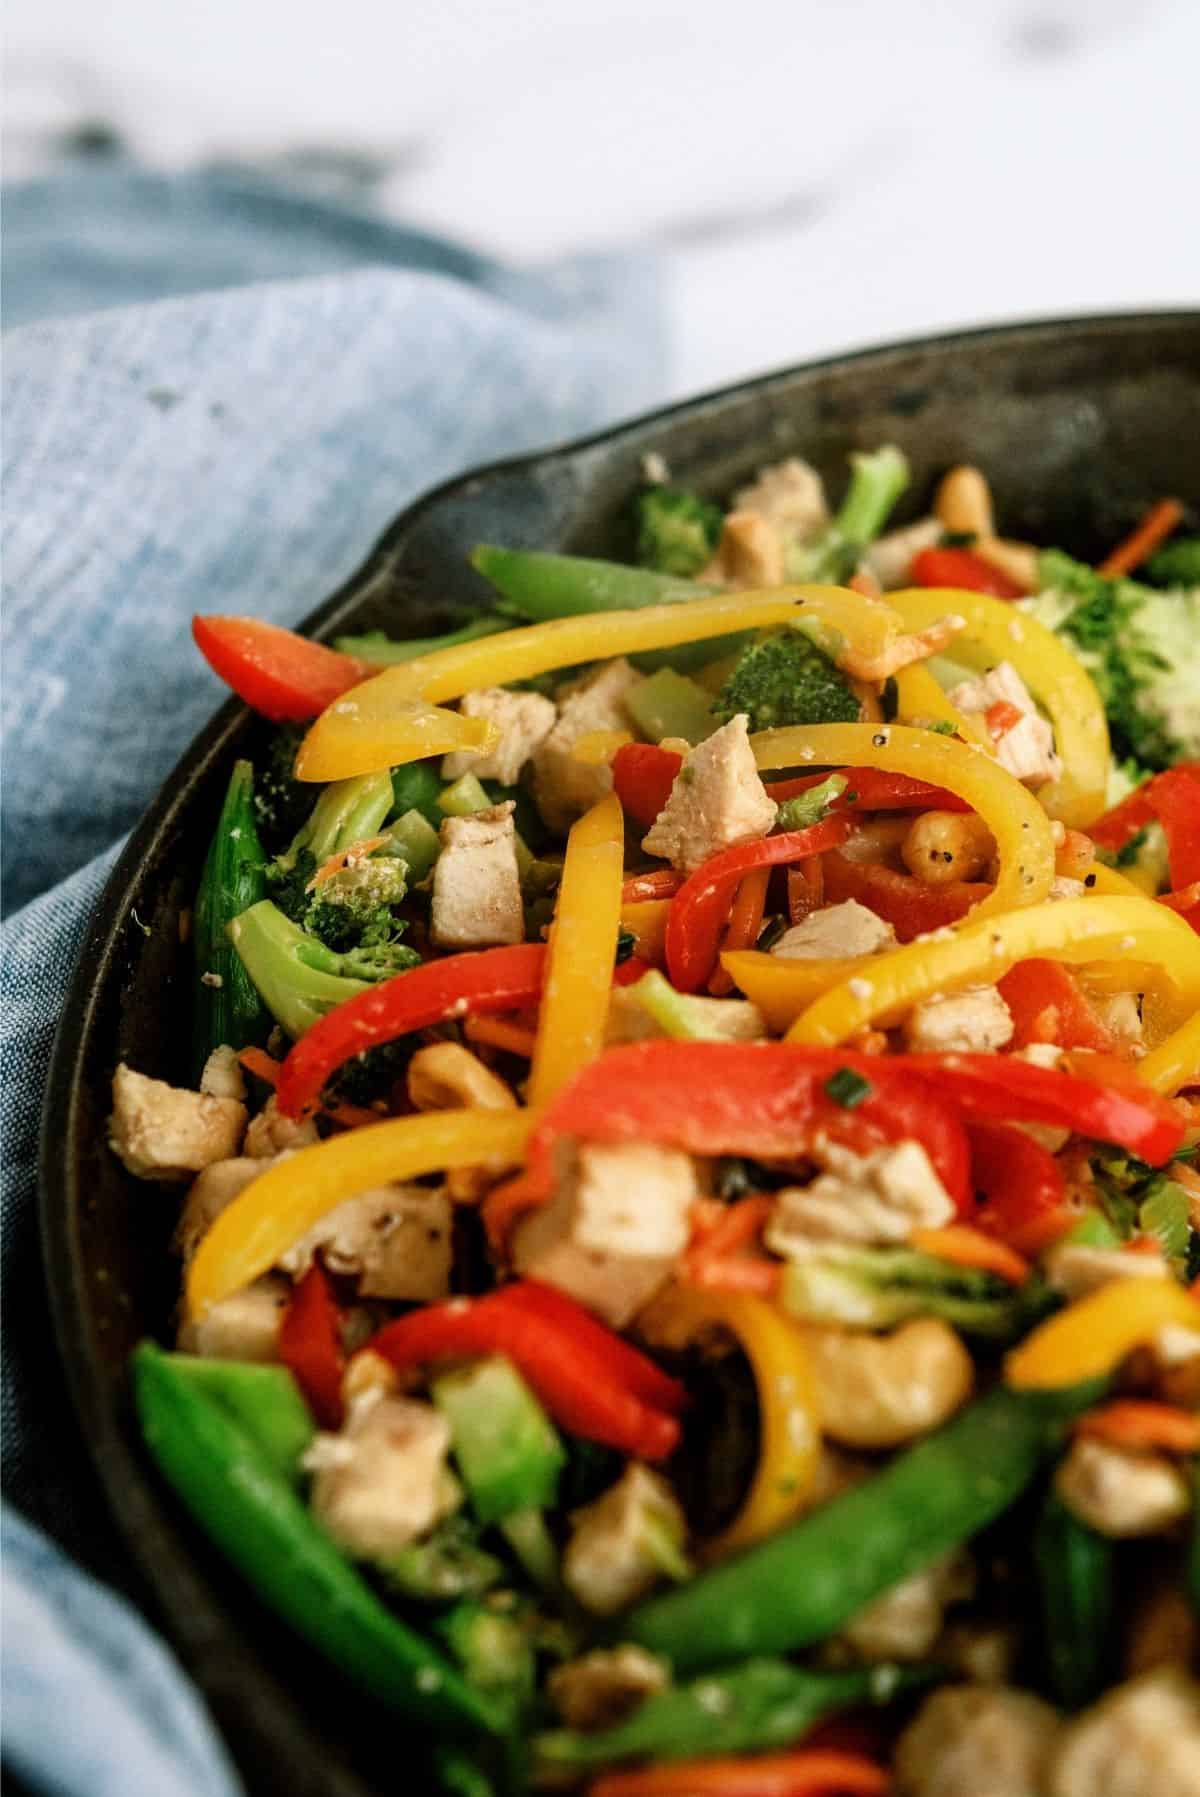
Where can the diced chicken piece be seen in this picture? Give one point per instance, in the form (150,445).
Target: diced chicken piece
(1027,749)
(524,720)
(395,1240)
(976,1741)
(222,1075)
(1121,1014)
(904,1622)
(865,1199)
(602,1687)
(476,885)
(889,557)
(836,931)
(562,786)
(790,495)
(165,1133)
(614,1229)
(730,1019)
(207,1197)
(1121,1493)
(717,799)
(614,1554)
(383,1481)
(749,555)
(244,1326)
(271,1133)
(1075,1268)
(973,1021)
(1141,1740)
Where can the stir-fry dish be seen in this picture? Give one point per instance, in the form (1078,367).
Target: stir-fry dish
(691,1226)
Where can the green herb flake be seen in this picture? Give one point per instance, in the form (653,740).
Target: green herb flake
(848,1088)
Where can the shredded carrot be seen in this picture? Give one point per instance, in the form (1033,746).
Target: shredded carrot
(866,584)
(704,1216)
(805,887)
(1140,1423)
(737,1273)
(1002,717)
(1142,1244)
(869,1042)
(258,1062)
(805,1772)
(502,1207)
(350,856)
(353,1116)
(500,1032)
(745,921)
(655,883)
(967,1247)
(1157,525)
(738,1225)
(1033,1238)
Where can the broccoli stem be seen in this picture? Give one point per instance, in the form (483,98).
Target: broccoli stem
(876,483)
(297,977)
(346,812)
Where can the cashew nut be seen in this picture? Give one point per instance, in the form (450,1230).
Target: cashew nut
(1120,1493)
(963,503)
(445,1075)
(879,1391)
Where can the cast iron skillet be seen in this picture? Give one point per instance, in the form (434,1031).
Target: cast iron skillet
(1078,425)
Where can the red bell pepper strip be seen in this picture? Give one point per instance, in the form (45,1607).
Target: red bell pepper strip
(491,979)
(700,908)
(284,676)
(911,907)
(630,971)
(636,1371)
(1186,901)
(1020,1181)
(807,1772)
(643,775)
(1173,798)
(579,1380)
(764,1099)
(962,568)
(989,1088)
(310,1345)
(873,789)
(1049,1005)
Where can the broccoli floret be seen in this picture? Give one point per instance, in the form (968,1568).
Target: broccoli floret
(785,679)
(374,1073)
(353,908)
(296,976)
(1176,564)
(1141,647)
(876,483)
(281,802)
(676,531)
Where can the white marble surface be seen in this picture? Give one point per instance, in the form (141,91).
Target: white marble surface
(815,175)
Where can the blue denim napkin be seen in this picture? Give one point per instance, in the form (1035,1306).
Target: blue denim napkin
(236,447)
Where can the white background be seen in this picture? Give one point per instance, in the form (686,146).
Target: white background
(814,175)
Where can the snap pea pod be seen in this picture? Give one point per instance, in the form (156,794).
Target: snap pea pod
(227,1009)
(1075,1590)
(762,1704)
(263,1400)
(805,1582)
(386,651)
(260,1524)
(539,586)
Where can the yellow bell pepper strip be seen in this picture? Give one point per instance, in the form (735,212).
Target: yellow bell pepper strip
(1176,1061)
(789,1426)
(414,730)
(784,986)
(293,1195)
(1092,1336)
(597,747)
(1024,842)
(920,700)
(997,631)
(1074,930)
(1108,883)
(646,922)
(583,941)
(375,726)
